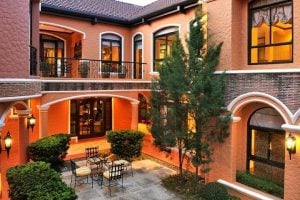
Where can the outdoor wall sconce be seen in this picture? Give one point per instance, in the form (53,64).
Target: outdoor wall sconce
(31,122)
(291,145)
(7,143)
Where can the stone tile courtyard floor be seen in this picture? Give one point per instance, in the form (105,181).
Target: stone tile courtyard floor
(145,184)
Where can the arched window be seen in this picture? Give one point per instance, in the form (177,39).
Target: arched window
(111,47)
(163,40)
(271,31)
(138,56)
(266,145)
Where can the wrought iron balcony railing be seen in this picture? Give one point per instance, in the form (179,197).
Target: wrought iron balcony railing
(87,68)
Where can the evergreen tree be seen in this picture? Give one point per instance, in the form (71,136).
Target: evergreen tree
(187,86)
(169,124)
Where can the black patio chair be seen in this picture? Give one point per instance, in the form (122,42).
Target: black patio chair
(92,156)
(80,173)
(113,175)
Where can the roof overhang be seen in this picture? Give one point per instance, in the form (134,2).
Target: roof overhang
(94,18)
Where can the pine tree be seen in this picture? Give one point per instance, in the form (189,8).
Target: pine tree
(187,86)
(169,124)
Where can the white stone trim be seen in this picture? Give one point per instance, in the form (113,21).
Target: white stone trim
(9,80)
(291,128)
(92,91)
(63,26)
(235,104)
(245,191)
(91,81)
(290,70)
(4,99)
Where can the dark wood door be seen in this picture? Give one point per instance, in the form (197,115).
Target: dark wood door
(91,117)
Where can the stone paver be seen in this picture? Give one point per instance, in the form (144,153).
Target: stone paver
(144,185)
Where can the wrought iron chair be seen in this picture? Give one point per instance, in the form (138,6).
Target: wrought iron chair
(126,162)
(92,156)
(113,174)
(80,173)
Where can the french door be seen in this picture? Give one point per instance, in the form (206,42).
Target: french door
(91,117)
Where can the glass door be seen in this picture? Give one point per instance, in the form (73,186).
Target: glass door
(90,117)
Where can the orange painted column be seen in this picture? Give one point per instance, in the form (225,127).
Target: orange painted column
(18,152)
(23,136)
(43,119)
(134,115)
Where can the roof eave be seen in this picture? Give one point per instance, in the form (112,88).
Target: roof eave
(83,16)
(113,20)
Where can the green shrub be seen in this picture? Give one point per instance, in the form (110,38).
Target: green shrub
(214,191)
(37,181)
(186,186)
(259,183)
(126,144)
(51,149)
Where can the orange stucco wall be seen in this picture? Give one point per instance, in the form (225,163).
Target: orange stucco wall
(91,44)
(58,118)
(121,114)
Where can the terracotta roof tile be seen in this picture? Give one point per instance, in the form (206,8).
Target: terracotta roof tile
(110,8)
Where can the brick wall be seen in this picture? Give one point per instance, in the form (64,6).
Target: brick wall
(63,86)
(15,89)
(283,86)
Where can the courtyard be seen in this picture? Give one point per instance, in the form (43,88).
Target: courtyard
(144,184)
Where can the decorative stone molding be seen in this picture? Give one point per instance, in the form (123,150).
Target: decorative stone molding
(291,128)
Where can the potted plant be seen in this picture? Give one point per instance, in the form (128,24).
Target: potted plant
(105,69)
(121,71)
(45,68)
(84,70)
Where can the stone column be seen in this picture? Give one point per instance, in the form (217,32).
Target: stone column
(134,115)
(22,136)
(43,121)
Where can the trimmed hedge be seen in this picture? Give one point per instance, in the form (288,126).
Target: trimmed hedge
(126,144)
(37,181)
(52,149)
(214,191)
(259,183)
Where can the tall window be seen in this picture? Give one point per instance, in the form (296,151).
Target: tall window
(138,56)
(271,31)
(163,40)
(110,47)
(266,145)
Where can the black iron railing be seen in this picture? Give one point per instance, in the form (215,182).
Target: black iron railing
(87,68)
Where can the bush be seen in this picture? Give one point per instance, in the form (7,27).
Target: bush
(37,181)
(214,191)
(126,144)
(51,149)
(186,186)
(259,183)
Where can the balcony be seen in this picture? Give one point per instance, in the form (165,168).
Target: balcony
(71,74)
(73,68)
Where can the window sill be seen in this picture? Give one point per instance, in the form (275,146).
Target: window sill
(248,191)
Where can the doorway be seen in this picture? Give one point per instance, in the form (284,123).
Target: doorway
(91,117)
(52,53)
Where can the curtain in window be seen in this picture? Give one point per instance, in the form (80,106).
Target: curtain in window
(282,13)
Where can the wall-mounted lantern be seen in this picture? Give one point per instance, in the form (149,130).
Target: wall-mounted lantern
(31,122)
(7,143)
(291,145)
